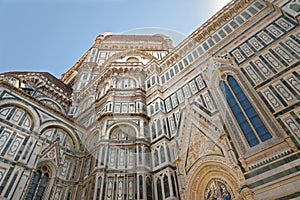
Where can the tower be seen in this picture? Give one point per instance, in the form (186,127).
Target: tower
(109,100)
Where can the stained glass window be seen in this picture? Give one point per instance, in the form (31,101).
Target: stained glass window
(38,184)
(249,121)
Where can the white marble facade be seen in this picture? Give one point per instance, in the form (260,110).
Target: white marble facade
(216,117)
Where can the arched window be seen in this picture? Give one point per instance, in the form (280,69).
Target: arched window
(126,83)
(140,154)
(151,109)
(173,185)
(98,187)
(156,158)
(149,188)
(65,139)
(153,130)
(159,127)
(159,189)
(156,106)
(141,186)
(249,121)
(162,155)
(38,184)
(166,186)
(69,195)
(147,157)
(122,133)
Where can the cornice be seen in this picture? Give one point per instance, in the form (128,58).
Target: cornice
(131,52)
(68,77)
(37,102)
(206,30)
(114,69)
(42,79)
(258,18)
(117,115)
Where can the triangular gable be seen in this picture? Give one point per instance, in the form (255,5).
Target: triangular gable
(199,138)
(52,152)
(200,145)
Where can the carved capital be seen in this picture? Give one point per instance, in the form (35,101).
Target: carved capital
(246,193)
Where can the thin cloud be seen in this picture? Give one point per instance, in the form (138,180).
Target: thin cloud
(59,1)
(217,5)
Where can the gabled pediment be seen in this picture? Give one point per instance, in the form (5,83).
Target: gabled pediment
(200,145)
(200,139)
(52,152)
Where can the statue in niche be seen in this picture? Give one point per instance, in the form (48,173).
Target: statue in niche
(196,147)
(218,190)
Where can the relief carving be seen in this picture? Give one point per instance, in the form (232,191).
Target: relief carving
(200,145)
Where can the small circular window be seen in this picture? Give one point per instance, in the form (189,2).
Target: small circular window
(132,59)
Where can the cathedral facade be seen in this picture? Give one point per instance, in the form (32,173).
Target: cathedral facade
(215,117)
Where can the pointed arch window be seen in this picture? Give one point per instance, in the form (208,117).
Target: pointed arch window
(173,185)
(156,106)
(159,130)
(69,195)
(38,184)
(159,189)
(141,186)
(162,154)
(153,130)
(166,186)
(156,162)
(249,121)
(149,188)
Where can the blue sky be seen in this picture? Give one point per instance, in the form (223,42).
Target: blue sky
(51,35)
